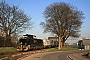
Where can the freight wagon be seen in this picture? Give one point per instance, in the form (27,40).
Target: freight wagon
(46,43)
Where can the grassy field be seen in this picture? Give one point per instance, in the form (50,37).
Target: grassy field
(7,49)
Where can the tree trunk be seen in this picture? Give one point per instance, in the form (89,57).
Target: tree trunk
(4,42)
(63,43)
(7,41)
(60,42)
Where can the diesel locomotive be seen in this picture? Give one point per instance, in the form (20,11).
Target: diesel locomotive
(29,42)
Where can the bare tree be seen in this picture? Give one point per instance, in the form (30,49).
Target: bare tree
(62,20)
(12,20)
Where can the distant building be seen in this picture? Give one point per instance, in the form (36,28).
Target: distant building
(53,41)
(53,38)
(66,44)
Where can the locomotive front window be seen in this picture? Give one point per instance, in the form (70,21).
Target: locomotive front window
(23,41)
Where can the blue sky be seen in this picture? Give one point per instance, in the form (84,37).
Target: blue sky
(35,8)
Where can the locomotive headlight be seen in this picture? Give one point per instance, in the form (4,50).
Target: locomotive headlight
(20,42)
(25,48)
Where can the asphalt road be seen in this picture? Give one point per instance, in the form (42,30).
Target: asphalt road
(57,55)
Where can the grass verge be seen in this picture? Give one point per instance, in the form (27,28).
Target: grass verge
(7,50)
(62,49)
(68,48)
